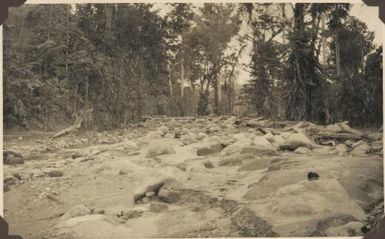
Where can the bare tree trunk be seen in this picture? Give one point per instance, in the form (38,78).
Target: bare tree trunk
(337,54)
(171,91)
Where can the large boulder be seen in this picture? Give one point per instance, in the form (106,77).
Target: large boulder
(210,148)
(159,149)
(236,147)
(296,140)
(12,158)
(189,138)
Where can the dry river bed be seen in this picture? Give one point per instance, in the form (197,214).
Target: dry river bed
(188,179)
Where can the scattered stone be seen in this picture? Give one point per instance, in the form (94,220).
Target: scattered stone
(55,173)
(311,176)
(158,207)
(208,164)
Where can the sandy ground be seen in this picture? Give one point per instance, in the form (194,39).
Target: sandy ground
(218,194)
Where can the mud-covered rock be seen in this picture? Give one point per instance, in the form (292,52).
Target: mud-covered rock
(337,224)
(208,164)
(210,148)
(12,159)
(247,224)
(231,161)
(360,148)
(77,211)
(55,173)
(169,195)
(159,149)
(158,207)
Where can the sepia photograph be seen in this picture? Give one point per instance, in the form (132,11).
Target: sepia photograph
(191,120)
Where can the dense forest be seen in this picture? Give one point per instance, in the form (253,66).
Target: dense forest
(117,63)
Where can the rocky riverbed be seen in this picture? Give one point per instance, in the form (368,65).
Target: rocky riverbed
(187,177)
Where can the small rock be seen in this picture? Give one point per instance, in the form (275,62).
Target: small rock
(122,172)
(154,187)
(9,180)
(139,197)
(177,135)
(208,164)
(76,155)
(55,173)
(312,176)
(201,136)
(158,207)
(150,194)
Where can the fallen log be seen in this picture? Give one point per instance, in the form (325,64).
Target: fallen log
(337,136)
(82,118)
(75,127)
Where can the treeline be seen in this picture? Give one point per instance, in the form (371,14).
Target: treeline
(313,62)
(123,61)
